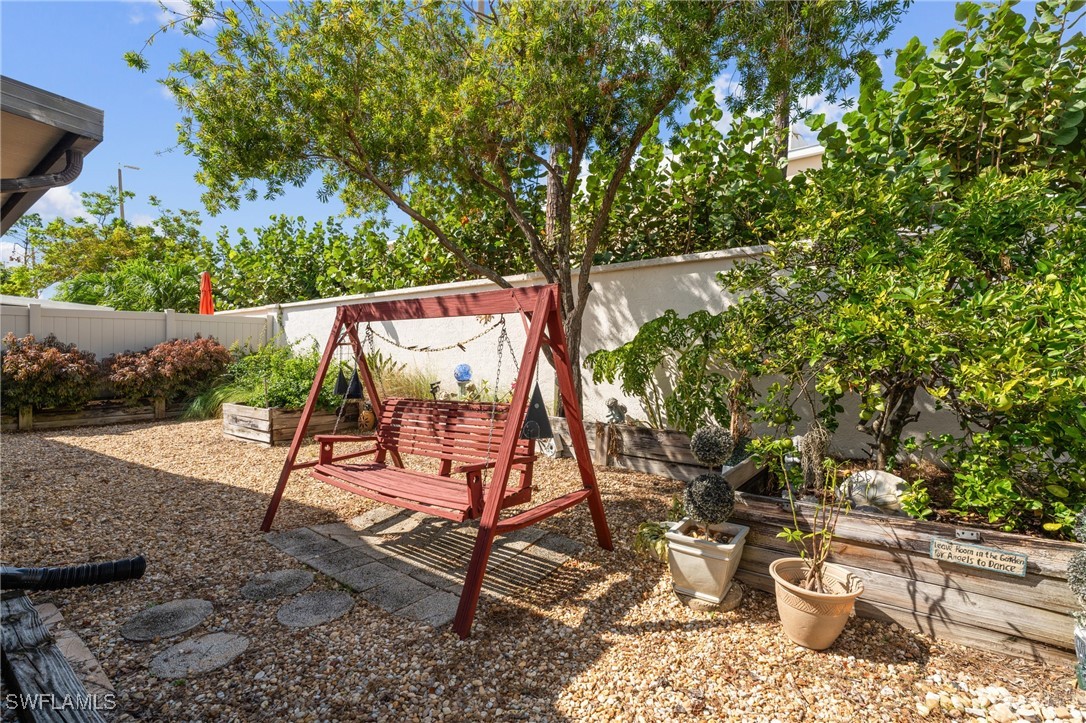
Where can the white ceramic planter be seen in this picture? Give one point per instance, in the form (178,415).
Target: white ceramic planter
(703,569)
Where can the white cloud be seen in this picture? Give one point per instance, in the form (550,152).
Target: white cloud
(60,202)
(177,10)
(817,104)
(140,219)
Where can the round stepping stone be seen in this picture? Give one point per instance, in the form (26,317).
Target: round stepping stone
(276,584)
(166,620)
(198,655)
(314,608)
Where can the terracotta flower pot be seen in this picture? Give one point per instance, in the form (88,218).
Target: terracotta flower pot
(812,619)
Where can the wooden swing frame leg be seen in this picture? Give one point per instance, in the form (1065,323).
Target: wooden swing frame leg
(546,319)
(303,423)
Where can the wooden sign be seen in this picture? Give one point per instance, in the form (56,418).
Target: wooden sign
(985,558)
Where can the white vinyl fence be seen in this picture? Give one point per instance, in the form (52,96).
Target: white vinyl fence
(105,331)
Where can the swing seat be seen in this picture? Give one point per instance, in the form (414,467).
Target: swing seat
(462,436)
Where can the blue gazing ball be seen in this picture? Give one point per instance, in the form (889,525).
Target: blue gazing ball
(462,373)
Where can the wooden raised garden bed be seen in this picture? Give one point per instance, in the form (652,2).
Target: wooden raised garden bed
(653,451)
(272,427)
(1027,616)
(97,413)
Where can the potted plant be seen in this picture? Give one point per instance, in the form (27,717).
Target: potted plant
(704,548)
(814,597)
(651,537)
(1076,580)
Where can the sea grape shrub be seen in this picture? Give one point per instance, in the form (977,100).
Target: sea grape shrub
(709,498)
(45,374)
(170,370)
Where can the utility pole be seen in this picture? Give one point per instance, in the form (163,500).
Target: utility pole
(120,185)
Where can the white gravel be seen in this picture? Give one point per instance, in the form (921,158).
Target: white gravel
(604,639)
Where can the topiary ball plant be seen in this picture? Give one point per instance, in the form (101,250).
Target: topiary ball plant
(709,498)
(712,446)
(1079,529)
(1076,576)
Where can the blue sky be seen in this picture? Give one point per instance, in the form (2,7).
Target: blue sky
(75,49)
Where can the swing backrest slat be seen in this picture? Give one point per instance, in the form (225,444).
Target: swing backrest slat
(463,432)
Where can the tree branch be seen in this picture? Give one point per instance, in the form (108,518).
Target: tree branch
(535,243)
(428,223)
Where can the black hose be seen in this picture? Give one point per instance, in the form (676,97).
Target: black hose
(57,578)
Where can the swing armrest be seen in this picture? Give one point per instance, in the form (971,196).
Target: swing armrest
(327,441)
(333,438)
(480,466)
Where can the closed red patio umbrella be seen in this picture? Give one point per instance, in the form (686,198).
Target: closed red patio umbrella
(207,303)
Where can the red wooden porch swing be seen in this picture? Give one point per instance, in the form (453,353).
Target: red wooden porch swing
(453,432)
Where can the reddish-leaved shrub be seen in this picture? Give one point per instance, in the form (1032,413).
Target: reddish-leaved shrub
(45,374)
(172,369)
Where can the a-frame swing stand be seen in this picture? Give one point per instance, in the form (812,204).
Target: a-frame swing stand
(443,494)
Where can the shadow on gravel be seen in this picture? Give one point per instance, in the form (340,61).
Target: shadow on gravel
(65,504)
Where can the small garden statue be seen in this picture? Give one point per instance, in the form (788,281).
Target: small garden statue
(462,375)
(616,413)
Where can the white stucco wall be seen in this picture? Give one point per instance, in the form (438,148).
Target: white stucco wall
(624,297)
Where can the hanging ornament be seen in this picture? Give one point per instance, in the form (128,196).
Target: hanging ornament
(354,389)
(367,420)
(537,423)
(341,384)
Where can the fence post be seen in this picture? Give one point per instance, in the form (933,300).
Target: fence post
(171,332)
(34,324)
(271,327)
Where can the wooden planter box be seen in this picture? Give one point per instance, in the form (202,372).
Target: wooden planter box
(95,414)
(1028,616)
(272,426)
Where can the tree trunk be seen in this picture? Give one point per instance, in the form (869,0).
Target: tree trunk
(559,234)
(895,417)
(782,120)
(782,114)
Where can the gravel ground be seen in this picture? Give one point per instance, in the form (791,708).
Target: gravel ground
(604,639)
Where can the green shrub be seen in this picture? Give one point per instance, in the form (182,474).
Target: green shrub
(271,376)
(937,252)
(45,374)
(171,370)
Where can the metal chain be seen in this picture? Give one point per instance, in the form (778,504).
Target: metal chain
(503,341)
(370,333)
